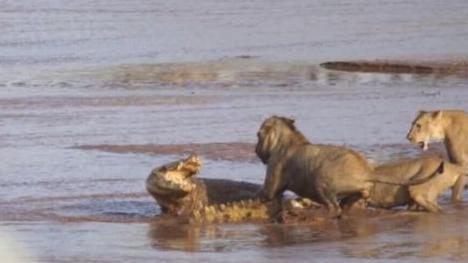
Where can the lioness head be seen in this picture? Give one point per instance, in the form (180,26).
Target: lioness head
(426,127)
(272,135)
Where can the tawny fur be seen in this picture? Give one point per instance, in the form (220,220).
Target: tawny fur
(451,127)
(319,172)
(441,175)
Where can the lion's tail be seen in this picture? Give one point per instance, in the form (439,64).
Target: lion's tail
(411,181)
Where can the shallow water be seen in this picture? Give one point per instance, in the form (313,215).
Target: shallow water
(93,95)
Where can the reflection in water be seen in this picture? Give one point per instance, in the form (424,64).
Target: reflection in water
(381,234)
(443,240)
(453,247)
(174,236)
(332,78)
(238,72)
(417,235)
(281,235)
(214,237)
(193,237)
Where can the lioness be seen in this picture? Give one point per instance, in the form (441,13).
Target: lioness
(426,194)
(451,126)
(388,195)
(440,176)
(318,172)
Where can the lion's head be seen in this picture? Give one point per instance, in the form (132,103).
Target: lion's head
(426,127)
(274,134)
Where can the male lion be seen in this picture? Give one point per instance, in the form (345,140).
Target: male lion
(451,126)
(319,172)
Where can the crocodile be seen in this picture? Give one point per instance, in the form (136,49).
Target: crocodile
(179,192)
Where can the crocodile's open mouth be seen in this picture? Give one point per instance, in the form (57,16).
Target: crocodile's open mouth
(176,178)
(172,183)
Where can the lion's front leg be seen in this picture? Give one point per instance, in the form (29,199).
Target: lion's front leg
(274,184)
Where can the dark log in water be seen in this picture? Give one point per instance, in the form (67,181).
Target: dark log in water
(440,68)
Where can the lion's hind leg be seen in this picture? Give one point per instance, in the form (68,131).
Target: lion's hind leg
(353,202)
(331,202)
(413,206)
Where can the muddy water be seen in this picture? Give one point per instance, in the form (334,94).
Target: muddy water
(93,95)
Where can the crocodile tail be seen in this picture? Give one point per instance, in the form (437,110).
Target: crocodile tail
(245,210)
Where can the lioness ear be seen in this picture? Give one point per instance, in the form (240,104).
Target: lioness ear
(437,114)
(421,112)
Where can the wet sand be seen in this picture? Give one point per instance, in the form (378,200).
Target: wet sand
(95,95)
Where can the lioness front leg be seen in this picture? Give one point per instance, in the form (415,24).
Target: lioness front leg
(457,189)
(428,205)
